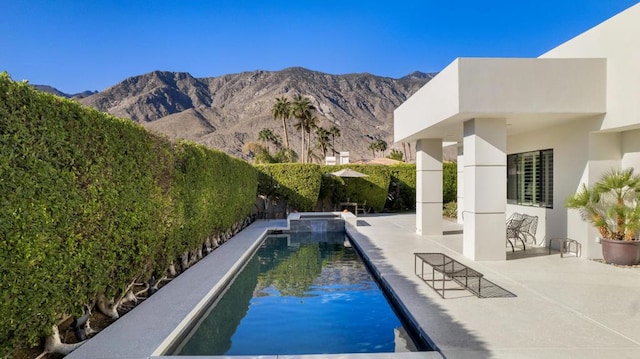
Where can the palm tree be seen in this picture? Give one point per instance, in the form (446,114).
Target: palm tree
(611,204)
(334,131)
(302,109)
(322,138)
(373,146)
(310,124)
(266,135)
(282,110)
(381,145)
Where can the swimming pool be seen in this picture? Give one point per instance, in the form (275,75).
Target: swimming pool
(300,293)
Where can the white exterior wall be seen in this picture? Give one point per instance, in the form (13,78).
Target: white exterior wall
(570,156)
(527,86)
(580,99)
(617,40)
(437,100)
(631,150)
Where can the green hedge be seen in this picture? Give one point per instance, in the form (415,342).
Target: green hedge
(373,188)
(296,183)
(91,202)
(449,182)
(215,190)
(404,177)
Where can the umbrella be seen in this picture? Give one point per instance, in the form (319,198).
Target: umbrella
(348,172)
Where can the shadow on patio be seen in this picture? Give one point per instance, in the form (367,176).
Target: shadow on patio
(434,324)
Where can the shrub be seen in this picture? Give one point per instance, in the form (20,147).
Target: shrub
(296,183)
(449,182)
(402,191)
(91,203)
(214,191)
(450,210)
(373,188)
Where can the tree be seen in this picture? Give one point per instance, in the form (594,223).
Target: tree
(266,135)
(381,145)
(282,110)
(334,131)
(310,124)
(373,147)
(378,145)
(302,109)
(322,138)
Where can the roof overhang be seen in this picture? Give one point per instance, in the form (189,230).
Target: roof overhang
(529,93)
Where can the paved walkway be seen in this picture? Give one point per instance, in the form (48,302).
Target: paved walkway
(565,307)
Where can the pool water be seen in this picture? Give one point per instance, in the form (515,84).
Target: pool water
(303,293)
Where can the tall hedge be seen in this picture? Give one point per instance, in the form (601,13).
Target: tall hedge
(449,182)
(215,190)
(404,177)
(296,183)
(90,202)
(373,188)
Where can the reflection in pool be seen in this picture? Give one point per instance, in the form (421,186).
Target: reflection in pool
(304,293)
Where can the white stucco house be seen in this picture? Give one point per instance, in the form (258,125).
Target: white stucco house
(529,132)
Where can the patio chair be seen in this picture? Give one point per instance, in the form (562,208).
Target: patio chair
(529,227)
(514,233)
(362,208)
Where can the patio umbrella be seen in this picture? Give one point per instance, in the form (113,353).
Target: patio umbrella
(348,172)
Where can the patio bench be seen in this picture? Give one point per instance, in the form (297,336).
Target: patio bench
(448,270)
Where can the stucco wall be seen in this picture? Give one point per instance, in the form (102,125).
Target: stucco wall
(524,86)
(616,40)
(570,143)
(436,100)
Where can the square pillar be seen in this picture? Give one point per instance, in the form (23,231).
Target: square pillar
(460,183)
(485,189)
(429,187)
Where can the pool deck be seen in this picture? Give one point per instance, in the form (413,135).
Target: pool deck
(564,307)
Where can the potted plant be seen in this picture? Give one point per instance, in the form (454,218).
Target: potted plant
(612,205)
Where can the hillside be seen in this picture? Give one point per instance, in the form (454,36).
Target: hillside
(227,111)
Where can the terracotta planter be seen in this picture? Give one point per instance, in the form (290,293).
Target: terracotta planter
(624,253)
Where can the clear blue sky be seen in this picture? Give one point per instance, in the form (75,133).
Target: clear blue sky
(77,45)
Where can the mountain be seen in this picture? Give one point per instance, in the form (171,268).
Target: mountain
(55,91)
(228,111)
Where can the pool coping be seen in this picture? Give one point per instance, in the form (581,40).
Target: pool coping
(154,326)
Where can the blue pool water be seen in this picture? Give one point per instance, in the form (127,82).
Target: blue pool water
(304,293)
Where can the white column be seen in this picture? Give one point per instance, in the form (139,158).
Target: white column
(485,189)
(460,186)
(429,187)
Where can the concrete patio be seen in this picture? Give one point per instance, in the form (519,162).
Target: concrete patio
(565,307)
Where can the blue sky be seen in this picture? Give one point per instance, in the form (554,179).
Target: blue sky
(77,45)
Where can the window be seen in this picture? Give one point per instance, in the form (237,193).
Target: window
(530,178)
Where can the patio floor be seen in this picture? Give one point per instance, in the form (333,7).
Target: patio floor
(564,307)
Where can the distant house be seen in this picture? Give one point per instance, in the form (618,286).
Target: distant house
(530,131)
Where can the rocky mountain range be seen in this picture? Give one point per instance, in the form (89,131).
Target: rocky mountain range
(228,111)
